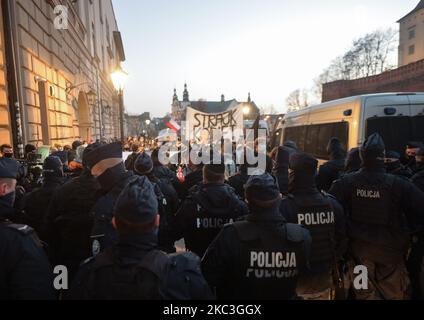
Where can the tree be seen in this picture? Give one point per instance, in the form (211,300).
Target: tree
(368,56)
(297,99)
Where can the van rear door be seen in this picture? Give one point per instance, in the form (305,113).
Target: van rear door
(394,118)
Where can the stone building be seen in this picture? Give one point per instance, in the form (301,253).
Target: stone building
(60,55)
(179,107)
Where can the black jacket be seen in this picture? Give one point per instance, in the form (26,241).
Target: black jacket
(36,203)
(204,213)
(133,269)
(237,182)
(103,234)
(382,242)
(25,273)
(329,172)
(418,180)
(68,223)
(310,197)
(228,266)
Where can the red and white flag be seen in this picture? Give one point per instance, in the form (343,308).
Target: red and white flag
(173,125)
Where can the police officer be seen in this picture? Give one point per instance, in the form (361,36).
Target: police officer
(353,161)
(323,216)
(408,159)
(129,163)
(106,165)
(395,167)
(238,180)
(331,170)
(36,203)
(166,195)
(281,167)
(262,257)
(418,178)
(68,222)
(25,273)
(133,268)
(206,210)
(380,208)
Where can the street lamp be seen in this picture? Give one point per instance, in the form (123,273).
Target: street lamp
(119,78)
(246,110)
(148,122)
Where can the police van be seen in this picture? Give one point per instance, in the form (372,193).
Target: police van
(397,117)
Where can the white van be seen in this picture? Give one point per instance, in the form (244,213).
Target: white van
(397,117)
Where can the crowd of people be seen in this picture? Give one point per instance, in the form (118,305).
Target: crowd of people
(296,231)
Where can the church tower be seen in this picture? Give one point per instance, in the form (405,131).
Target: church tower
(186,97)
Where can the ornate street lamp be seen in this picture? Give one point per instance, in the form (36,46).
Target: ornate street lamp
(119,79)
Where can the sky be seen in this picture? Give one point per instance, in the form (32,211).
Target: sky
(232,47)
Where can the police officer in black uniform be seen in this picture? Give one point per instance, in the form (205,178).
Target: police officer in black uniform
(262,257)
(408,160)
(238,180)
(105,163)
(25,273)
(206,210)
(323,216)
(165,193)
(36,203)
(133,268)
(68,222)
(331,170)
(381,210)
(353,162)
(281,167)
(418,178)
(395,167)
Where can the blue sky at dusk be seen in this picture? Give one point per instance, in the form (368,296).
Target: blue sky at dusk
(232,47)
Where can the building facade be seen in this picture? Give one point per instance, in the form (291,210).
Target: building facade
(63,53)
(179,108)
(411,35)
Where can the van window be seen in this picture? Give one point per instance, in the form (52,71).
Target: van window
(397,131)
(313,139)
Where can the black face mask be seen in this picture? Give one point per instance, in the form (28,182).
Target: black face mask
(9,199)
(111,176)
(8,155)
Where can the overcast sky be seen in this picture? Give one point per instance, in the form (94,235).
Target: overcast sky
(232,47)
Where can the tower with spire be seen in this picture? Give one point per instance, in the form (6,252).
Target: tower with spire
(186,96)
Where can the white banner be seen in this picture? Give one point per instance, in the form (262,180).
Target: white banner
(200,125)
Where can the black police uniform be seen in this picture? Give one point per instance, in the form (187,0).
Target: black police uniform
(331,170)
(381,210)
(36,203)
(133,268)
(257,259)
(281,167)
(69,223)
(323,216)
(112,182)
(203,214)
(25,273)
(238,181)
(194,178)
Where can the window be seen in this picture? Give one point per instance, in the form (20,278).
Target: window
(411,34)
(411,50)
(313,139)
(93,38)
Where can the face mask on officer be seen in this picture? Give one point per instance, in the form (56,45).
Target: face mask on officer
(7,191)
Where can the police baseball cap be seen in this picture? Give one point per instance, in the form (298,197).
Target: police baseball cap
(101,152)
(373,147)
(303,163)
(263,188)
(137,203)
(9,168)
(143,164)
